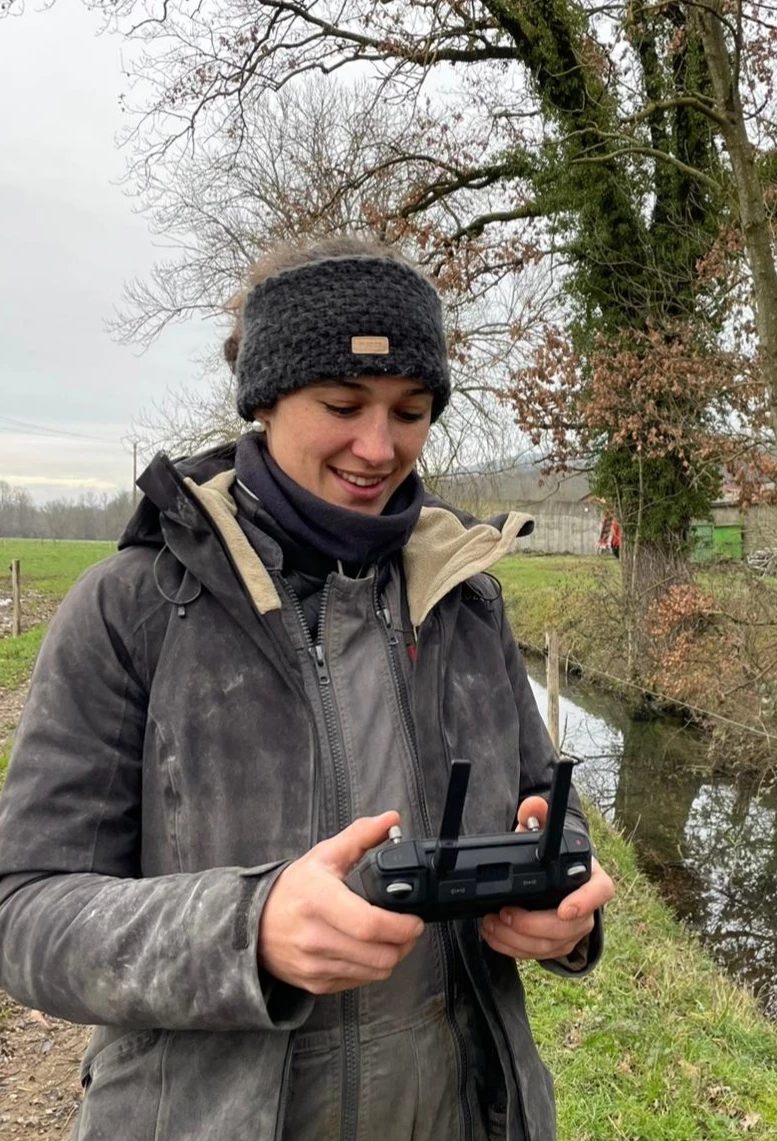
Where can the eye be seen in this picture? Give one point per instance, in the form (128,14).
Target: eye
(408,416)
(340,409)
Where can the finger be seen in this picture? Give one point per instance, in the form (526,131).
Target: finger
(345,849)
(348,913)
(323,972)
(344,976)
(546,925)
(529,948)
(586,899)
(532,806)
(330,949)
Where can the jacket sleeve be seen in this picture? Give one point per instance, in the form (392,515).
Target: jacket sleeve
(538,758)
(82,935)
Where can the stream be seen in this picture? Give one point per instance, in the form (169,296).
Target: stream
(709,842)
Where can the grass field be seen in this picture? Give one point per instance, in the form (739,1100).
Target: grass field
(48,568)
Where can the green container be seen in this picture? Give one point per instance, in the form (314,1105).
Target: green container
(728,541)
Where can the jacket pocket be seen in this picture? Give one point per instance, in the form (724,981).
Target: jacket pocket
(122,1084)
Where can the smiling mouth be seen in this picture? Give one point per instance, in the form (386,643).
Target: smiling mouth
(361,480)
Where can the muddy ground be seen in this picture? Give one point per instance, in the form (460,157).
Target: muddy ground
(39,1064)
(39,1056)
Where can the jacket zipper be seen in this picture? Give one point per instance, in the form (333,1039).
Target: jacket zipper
(349,1000)
(384,614)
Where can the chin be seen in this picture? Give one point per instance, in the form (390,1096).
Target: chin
(366,508)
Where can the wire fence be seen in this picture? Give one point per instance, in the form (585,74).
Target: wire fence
(676,703)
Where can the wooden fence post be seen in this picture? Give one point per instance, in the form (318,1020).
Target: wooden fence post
(16,593)
(551,646)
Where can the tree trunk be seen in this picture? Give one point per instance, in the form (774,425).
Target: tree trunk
(648,571)
(752,212)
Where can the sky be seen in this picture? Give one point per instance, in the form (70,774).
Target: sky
(69,240)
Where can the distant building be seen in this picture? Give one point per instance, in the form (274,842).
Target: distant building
(569,518)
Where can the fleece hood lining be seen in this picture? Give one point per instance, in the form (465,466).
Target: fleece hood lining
(441,553)
(217,503)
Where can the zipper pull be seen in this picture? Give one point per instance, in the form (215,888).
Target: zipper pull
(317,652)
(391,633)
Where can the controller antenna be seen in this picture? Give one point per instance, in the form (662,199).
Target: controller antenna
(549,847)
(446,853)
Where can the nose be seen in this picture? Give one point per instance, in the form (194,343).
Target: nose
(374,442)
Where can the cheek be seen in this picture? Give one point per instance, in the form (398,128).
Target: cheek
(413,443)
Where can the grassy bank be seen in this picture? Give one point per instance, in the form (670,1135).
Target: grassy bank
(655,1045)
(713,648)
(552,592)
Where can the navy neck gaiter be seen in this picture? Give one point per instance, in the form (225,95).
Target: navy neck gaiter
(339,534)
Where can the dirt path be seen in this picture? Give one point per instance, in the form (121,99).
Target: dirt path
(39,1063)
(39,1056)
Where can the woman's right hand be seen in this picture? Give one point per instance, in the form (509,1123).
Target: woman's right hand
(317,934)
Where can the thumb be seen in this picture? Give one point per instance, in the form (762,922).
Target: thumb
(345,849)
(535,806)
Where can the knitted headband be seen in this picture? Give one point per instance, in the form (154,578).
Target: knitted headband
(337,318)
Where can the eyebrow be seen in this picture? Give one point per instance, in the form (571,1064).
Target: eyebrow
(342,382)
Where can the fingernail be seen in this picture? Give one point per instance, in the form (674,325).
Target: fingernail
(571,912)
(506,917)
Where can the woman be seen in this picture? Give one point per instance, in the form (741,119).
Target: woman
(277,666)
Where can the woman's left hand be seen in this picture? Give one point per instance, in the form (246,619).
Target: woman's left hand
(547,934)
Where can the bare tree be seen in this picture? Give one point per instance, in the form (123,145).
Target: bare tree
(322,159)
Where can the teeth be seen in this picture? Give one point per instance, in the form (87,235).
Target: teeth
(360,480)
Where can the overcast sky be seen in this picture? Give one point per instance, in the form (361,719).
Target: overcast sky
(68,242)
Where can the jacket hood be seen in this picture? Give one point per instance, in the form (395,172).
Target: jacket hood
(161,484)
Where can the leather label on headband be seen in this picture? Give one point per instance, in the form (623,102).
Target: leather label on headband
(378,346)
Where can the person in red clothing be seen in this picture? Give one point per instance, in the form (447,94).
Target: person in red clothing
(615,538)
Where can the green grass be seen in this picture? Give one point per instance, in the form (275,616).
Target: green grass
(49,566)
(17,656)
(547,592)
(656,1044)
(5,756)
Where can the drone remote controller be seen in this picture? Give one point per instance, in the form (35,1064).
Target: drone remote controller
(461,877)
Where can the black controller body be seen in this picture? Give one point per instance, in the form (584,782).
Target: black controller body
(490,872)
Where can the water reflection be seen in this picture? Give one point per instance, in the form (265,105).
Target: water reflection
(710,843)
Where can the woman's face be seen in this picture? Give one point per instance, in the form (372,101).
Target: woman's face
(350,442)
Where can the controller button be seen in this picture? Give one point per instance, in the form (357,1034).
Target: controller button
(576,871)
(451,890)
(399,889)
(397,858)
(529,881)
